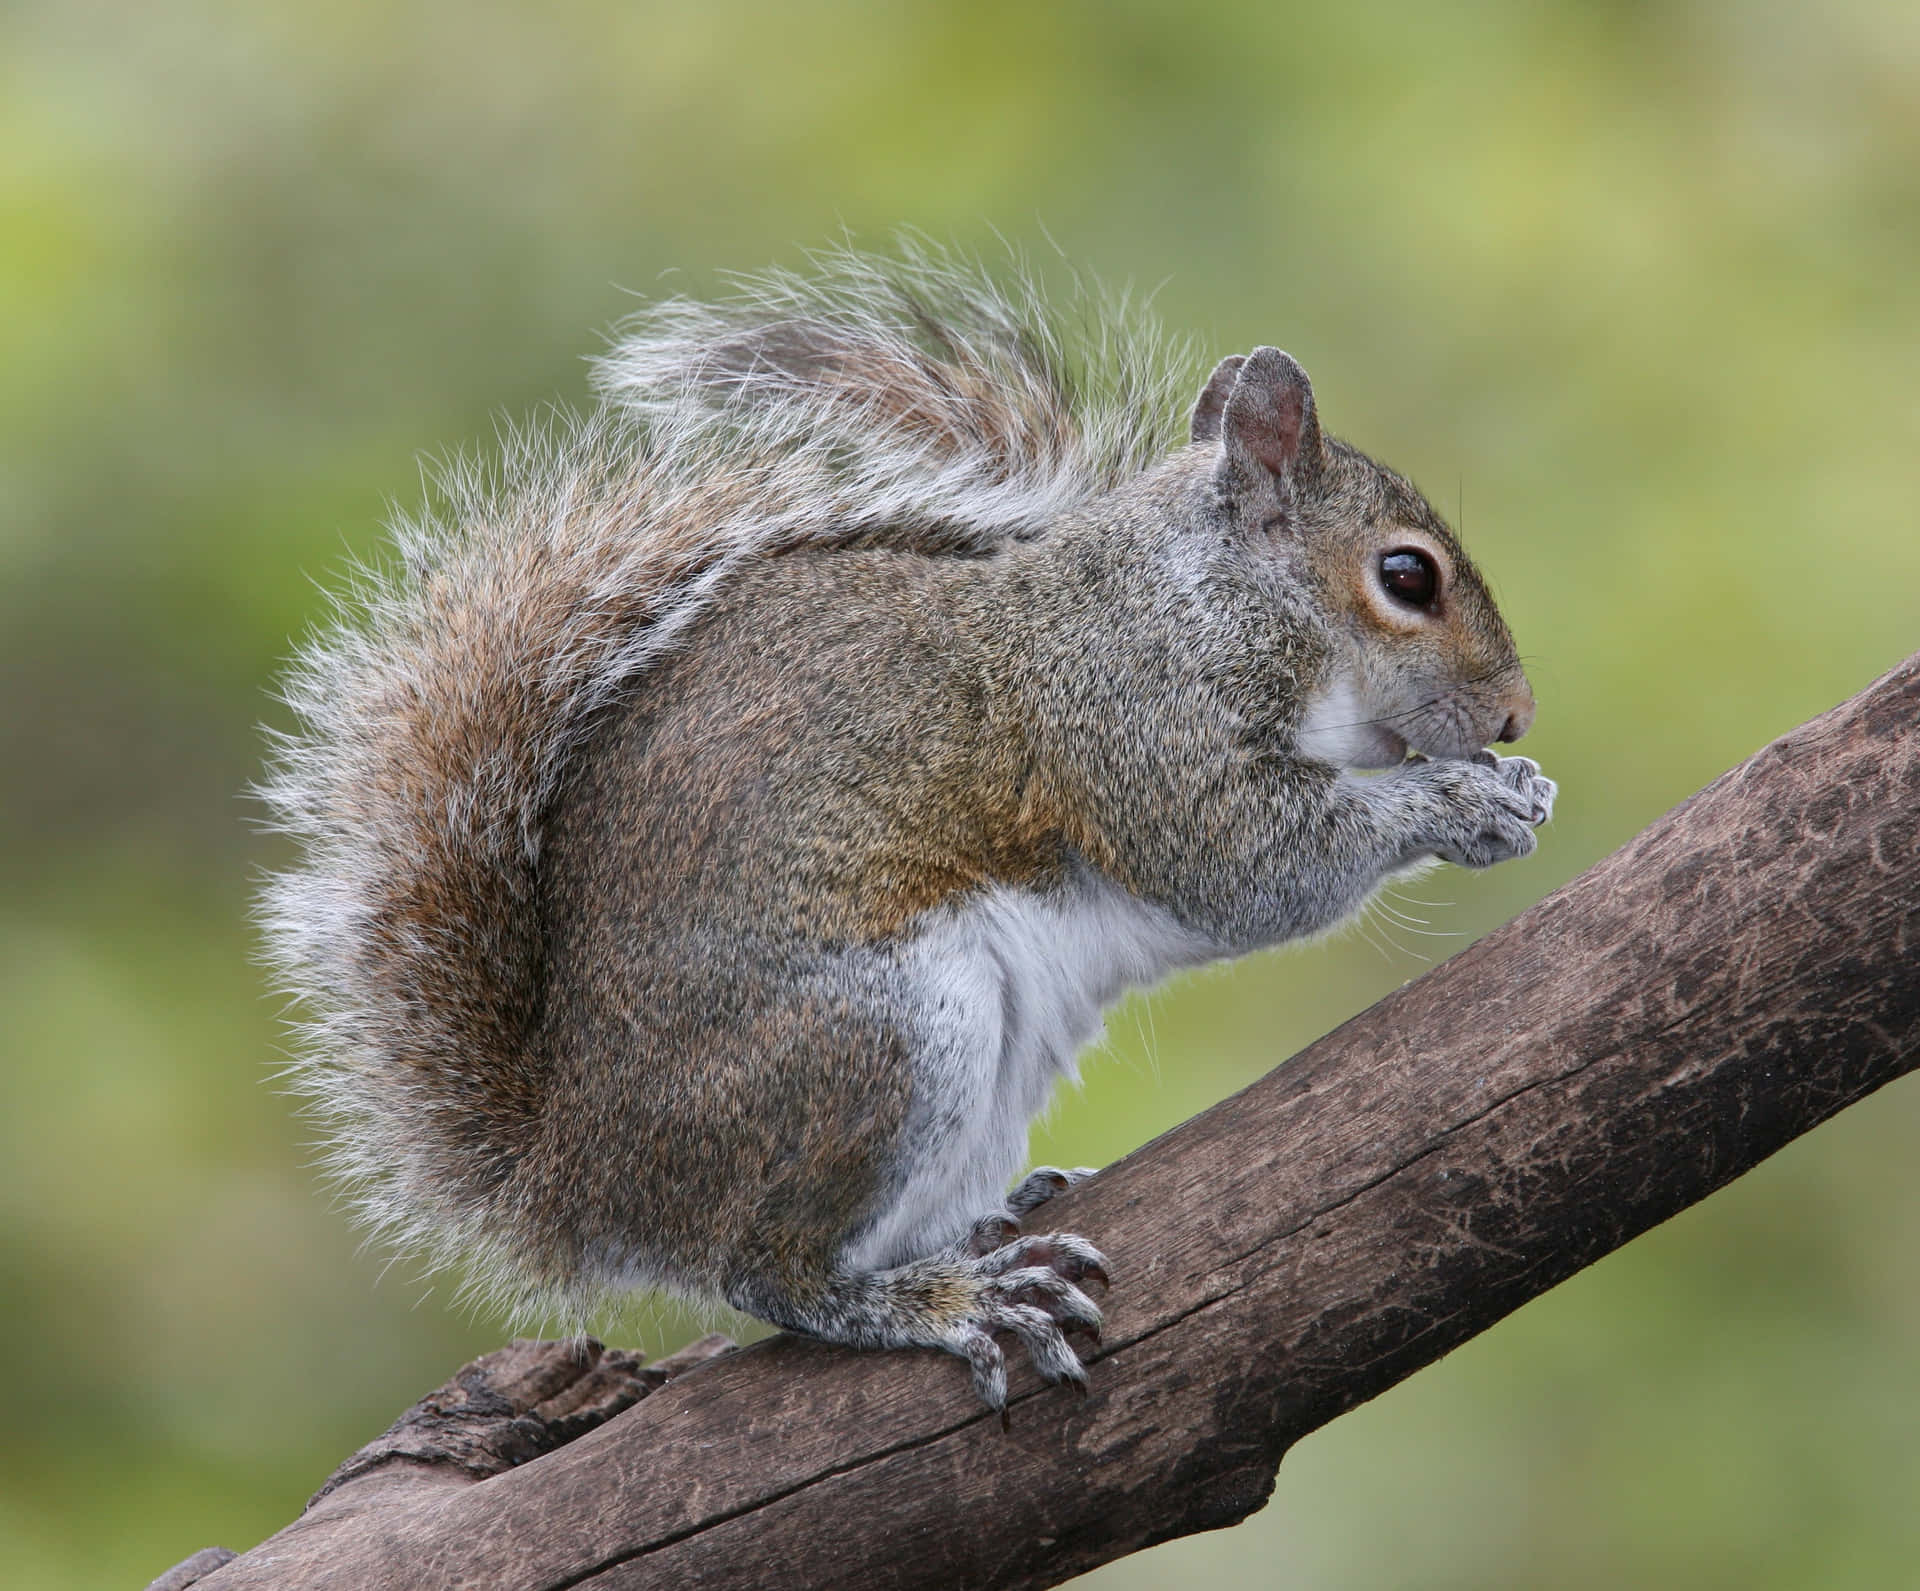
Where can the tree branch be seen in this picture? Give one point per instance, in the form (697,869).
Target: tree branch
(1731,978)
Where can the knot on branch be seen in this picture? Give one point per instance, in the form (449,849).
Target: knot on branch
(519,1402)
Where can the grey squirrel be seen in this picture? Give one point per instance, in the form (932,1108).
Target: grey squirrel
(725,823)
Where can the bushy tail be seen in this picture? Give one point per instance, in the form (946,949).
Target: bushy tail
(910,401)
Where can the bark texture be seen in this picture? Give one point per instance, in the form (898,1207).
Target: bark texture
(1738,973)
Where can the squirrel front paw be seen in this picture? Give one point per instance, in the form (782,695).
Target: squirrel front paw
(1489,807)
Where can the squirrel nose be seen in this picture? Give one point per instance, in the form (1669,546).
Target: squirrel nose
(1519,721)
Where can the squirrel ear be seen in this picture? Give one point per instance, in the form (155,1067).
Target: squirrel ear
(1269,429)
(1212,402)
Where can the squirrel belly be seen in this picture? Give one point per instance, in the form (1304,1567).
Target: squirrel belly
(1014,985)
(728,819)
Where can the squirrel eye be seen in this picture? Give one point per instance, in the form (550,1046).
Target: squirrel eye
(1411,577)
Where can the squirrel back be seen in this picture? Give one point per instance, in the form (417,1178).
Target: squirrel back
(908,404)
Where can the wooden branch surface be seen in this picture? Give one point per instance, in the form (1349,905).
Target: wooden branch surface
(1731,978)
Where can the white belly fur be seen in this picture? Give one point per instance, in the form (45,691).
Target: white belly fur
(1008,988)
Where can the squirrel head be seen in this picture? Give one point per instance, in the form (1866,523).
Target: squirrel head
(1419,658)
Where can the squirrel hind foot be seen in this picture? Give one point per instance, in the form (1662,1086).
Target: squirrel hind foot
(1029,1288)
(997,1228)
(1040,1185)
(961,1300)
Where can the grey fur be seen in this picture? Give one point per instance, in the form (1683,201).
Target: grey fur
(732,815)
(910,402)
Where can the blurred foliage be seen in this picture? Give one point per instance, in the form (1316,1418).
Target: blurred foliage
(1629,286)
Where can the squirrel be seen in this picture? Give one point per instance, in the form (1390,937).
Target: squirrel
(723,824)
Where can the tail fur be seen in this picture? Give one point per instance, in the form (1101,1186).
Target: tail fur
(909,401)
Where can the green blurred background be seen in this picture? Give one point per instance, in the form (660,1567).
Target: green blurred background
(1634,287)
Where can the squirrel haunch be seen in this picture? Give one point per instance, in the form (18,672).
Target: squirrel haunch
(727,821)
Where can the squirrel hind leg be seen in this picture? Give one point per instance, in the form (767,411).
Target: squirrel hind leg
(960,1300)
